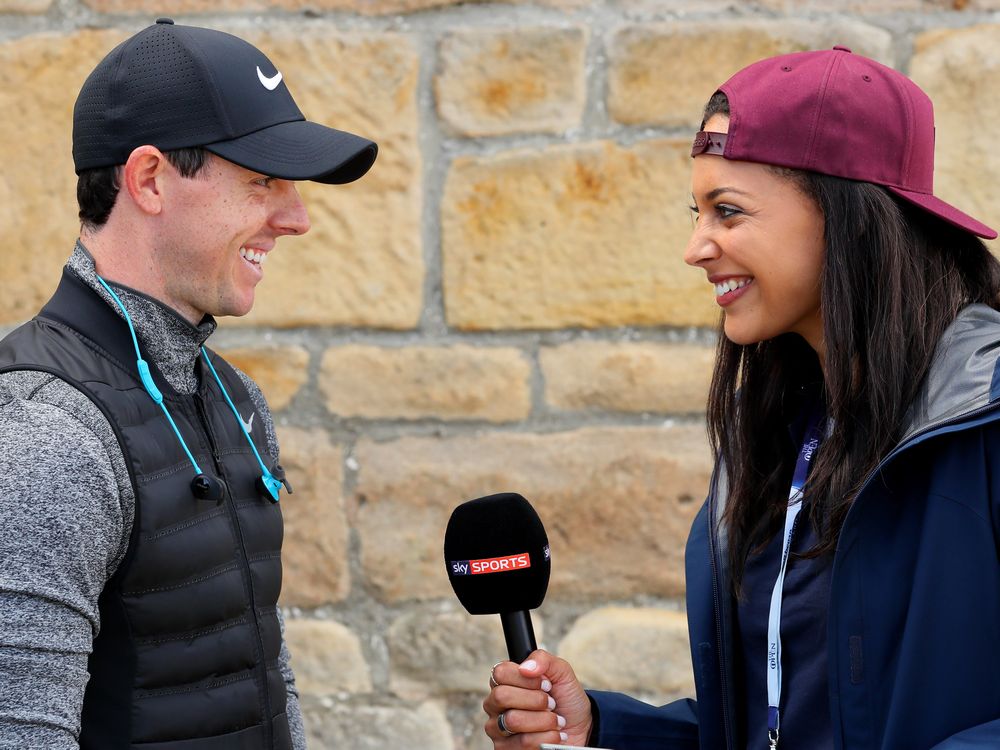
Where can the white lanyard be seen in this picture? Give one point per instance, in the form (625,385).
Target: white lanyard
(809,446)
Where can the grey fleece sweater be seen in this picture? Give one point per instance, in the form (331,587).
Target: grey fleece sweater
(66,511)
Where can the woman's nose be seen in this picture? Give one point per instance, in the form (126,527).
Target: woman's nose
(701,247)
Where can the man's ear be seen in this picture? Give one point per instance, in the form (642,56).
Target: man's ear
(142,178)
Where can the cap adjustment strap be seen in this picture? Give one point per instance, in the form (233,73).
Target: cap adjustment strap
(706,142)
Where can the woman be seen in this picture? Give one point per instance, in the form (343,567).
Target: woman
(857,381)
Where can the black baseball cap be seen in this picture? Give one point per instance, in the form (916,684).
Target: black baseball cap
(173,86)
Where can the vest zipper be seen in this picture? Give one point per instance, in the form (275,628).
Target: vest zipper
(245,564)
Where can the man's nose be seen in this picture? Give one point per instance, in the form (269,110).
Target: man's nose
(290,215)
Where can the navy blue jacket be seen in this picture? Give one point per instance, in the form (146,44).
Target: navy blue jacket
(914,615)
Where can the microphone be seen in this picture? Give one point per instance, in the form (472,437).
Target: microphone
(498,562)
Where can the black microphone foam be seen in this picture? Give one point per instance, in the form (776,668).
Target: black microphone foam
(497,555)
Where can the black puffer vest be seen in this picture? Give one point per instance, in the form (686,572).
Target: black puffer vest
(187,655)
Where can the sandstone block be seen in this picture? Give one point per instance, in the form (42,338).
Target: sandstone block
(639,651)
(24,6)
(368,727)
(859,6)
(40,76)
(955,67)
(326,658)
(454,382)
(314,555)
(436,653)
(363,7)
(617,504)
(180,7)
(677,6)
(655,75)
(628,377)
(177,7)
(520,80)
(586,235)
(361,264)
(280,371)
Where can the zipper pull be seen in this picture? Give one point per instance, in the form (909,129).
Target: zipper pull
(279,473)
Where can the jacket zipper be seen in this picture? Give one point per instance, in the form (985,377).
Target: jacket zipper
(713,557)
(900,448)
(245,564)
(717,602)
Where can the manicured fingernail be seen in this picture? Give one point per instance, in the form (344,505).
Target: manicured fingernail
(561,722)
(530,664)
(546,685)
(552,703)
(563,736)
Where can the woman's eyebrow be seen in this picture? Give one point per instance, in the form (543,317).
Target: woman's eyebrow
(712,195)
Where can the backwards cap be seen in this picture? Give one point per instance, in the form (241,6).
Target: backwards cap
(174,87)
(839,114)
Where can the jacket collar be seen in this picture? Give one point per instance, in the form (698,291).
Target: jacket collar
(78,307)
(964,375)
(168,340)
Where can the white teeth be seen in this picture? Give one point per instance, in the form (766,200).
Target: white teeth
(253,257)
(730,285)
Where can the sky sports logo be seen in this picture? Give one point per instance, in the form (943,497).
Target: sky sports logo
(521,561)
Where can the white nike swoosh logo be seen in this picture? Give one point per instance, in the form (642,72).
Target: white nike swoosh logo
(248,423)
(269,83)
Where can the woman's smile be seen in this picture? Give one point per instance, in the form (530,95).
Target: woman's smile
(729,289)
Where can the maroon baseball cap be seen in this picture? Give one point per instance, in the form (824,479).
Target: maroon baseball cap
(840,114)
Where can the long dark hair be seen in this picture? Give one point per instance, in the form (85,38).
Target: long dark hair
(893,278)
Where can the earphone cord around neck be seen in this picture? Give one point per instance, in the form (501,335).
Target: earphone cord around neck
(267,479)
(270,483)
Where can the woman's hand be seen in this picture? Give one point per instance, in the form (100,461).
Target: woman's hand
(540,701)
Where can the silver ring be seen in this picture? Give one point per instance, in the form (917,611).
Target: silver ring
(502,725)
(493,679)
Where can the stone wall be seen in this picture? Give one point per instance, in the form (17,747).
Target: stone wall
(500,305)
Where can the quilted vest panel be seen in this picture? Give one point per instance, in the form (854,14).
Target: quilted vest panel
(187,653)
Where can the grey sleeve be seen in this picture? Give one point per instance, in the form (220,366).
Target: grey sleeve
(293,709)
(61,535)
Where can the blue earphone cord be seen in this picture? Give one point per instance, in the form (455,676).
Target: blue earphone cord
(270,482)
(147,378)
(239,419)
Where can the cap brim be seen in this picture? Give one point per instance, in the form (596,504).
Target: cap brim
(946,211)
(301,150)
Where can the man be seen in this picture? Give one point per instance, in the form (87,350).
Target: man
(140,531)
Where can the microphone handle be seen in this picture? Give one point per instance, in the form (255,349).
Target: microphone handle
(519,634)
